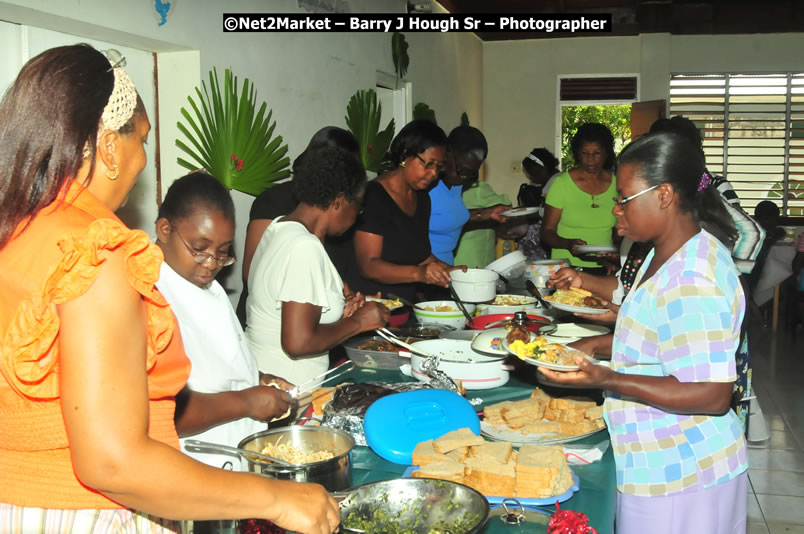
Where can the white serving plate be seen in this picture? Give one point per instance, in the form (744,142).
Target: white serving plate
(518,439)
(576,309)
(519,212)
(597,249)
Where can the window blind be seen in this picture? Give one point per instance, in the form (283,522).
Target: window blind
(752,127)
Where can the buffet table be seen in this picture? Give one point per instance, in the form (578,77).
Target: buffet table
(596,497)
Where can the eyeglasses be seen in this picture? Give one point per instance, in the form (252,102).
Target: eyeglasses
(430,165)
(205,257)
(463,173)
(626,200)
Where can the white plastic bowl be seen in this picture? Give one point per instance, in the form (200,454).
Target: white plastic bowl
(511,265)
(453,318)
(474,369)
(475,285)
(539,271)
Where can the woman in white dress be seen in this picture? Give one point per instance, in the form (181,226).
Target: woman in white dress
(296,309)
(226,397)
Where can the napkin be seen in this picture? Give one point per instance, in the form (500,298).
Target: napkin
(585,454)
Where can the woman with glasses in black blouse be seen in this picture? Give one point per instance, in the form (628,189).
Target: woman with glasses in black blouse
(392,246)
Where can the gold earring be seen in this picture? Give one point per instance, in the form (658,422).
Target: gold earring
(116,174)
(402,164)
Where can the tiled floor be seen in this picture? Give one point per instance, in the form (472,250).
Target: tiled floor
(776,465)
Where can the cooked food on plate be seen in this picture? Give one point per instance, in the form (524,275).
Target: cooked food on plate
(511,300)
(517,333)
(540,350)
(388,303)
(575,296)
(379,345)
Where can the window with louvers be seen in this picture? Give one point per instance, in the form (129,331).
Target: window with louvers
(753,132)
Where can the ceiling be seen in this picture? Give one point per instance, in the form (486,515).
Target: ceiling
(632,17)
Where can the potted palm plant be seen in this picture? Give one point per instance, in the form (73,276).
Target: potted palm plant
(230,139)
(363,115)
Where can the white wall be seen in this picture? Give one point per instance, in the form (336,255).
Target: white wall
(306,78)
(520,101)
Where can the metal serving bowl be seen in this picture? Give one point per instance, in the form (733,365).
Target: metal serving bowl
(334,474)
(421,504)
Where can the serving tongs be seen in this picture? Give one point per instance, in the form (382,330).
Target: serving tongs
(438,378)
(392,338)
(317,381)
(459,302)
(194,445)
(535,292)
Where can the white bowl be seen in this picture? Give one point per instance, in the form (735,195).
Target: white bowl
(511,265)
(457,358)
(453,318)
(539,271)
(475,285)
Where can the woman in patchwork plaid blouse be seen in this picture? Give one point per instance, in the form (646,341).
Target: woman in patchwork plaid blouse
(679,449)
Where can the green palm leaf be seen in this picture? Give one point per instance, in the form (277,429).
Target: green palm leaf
(225,122)
(363,115)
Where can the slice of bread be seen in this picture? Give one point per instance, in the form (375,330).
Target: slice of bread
(572,416)
(542,427)
(492,451)
(493,414)
(572,403)
(582,427)
(540,395)
(595,412)
(459,454)
(424,454)
(490,478)
(542,472)
(520,413)
(463,437)
(443,470)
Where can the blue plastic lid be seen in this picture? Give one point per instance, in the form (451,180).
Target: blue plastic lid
(395,424)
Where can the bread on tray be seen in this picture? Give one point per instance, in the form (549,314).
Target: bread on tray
(494,468)
(542,414)
(463,437)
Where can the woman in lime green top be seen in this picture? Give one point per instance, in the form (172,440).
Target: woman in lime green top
(579,203)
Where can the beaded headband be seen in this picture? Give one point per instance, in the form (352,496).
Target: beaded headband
(122,102)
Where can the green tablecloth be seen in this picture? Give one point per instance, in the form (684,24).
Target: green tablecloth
(596,497)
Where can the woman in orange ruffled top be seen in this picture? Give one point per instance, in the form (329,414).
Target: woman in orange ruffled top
(91,357)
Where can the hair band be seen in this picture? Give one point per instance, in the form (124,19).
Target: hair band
(539,162)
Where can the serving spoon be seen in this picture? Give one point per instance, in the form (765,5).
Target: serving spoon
(459,302)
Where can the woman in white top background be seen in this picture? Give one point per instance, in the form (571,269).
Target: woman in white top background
(226,398)
(296,309)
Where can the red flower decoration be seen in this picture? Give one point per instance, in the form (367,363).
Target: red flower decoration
(236,162)
(569,522)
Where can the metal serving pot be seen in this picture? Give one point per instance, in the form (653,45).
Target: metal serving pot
(334,474)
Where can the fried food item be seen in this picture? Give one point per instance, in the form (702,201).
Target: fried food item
(518,333)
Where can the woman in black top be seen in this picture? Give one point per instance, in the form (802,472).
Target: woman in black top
(392,245)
